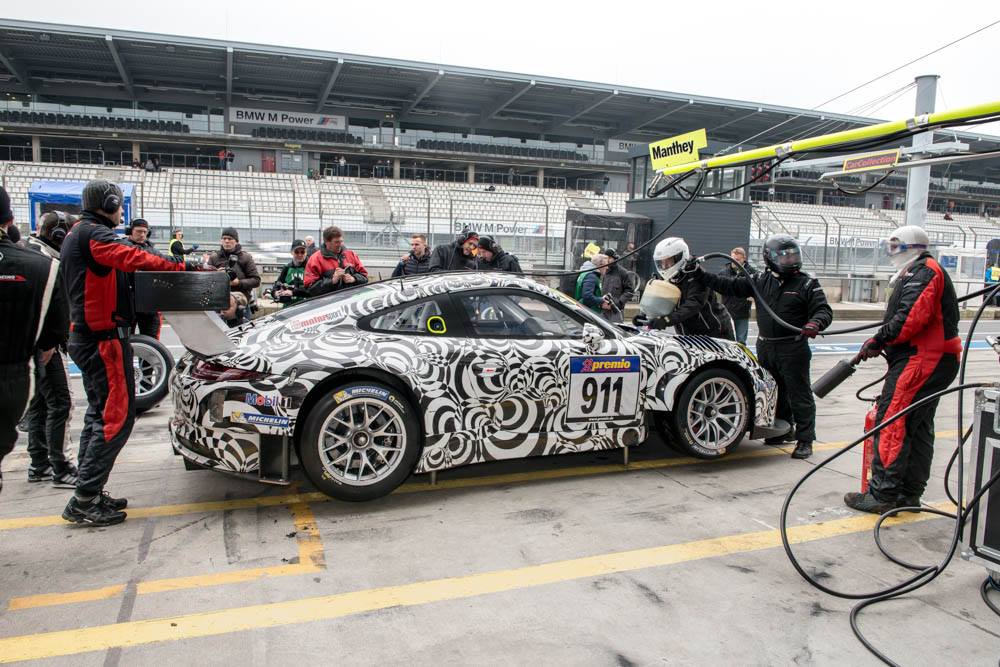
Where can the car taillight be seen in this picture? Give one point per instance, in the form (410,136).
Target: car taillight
(206,370)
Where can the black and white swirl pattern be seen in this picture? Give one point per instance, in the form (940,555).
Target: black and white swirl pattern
(478,399)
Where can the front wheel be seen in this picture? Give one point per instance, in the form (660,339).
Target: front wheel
(151,364)
(360,442)
(710,415)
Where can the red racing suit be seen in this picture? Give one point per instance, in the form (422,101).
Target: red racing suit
(920,334)
(94,267)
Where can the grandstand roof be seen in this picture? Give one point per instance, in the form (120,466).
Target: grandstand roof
(62,62)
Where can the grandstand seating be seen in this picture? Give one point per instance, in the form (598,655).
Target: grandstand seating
(499,149)
(95,122)
(297,134)
(204,201)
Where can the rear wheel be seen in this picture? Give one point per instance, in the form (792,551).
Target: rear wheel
(151,364)
(360,442)
(710,415)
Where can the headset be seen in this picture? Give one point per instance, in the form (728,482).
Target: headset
(112,199)
(58,232)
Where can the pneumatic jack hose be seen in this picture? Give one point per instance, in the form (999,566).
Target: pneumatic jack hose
(922,574)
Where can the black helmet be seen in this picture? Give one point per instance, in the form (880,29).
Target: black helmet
(782,254)
(487,243)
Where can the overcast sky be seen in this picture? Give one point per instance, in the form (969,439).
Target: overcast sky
(784,52)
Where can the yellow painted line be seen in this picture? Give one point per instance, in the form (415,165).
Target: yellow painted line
(421,487)
(311,559)
(254,617)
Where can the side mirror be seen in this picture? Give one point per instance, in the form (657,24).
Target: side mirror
(592,335)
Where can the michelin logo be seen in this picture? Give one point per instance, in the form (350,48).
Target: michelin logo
(256,419)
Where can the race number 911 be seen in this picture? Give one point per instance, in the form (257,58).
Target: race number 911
(603,387)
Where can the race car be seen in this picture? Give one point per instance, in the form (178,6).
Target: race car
(371,384)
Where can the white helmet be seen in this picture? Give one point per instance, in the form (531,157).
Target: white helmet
(906,244)
(670,255)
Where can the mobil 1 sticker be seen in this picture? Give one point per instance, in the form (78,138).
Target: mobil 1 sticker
(603,387)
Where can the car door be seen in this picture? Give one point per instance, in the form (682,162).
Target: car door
(545,389)
(422,342)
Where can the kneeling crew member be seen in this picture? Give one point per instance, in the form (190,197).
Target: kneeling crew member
(919,335)
(696,312)
(798,299)
(95,265)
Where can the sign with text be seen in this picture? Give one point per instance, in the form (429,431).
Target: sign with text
(871,161)
(677,150)
(616,145)
(313,121)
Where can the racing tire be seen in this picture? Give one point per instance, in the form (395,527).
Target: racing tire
(711,415)
(152,364)
(360,441)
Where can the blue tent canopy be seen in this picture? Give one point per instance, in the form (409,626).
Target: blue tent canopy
(67,193)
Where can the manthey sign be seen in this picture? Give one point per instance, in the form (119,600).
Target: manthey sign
(287,118)
(673,151)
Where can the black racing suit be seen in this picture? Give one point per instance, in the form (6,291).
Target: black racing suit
(696,314)
(797,299)
(920,332)
(48,415)
(148,324)
(95,264)
(33,308)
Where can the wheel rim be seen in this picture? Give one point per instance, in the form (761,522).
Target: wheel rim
(716,413)
(362,442)
(149,369)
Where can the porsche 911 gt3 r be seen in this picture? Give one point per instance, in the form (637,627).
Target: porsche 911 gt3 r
(371,384)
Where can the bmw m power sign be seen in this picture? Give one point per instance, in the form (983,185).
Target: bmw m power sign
(603,387)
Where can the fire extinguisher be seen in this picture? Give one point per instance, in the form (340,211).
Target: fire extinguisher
(869,451)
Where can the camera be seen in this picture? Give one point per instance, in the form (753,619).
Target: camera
(231,267)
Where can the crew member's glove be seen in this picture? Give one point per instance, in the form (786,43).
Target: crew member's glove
(693,268)
(194,247)
(810,330)
(659,323)
(872,348)
(641,320)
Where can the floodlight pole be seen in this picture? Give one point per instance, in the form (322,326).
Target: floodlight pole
(918,180)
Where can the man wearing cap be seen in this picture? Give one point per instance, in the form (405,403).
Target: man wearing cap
(494,258)
(459,255)
(238,263)
(95,264)
(137,236)
(290,287)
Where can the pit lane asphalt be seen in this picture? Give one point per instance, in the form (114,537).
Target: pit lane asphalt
(562,559)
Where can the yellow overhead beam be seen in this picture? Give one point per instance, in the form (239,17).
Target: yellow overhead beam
(931,120)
